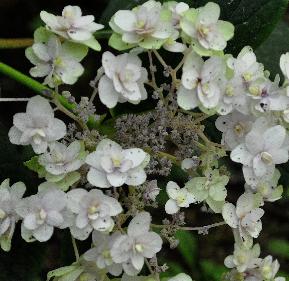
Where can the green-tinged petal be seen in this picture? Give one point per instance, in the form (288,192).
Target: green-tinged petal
(34,166)
(92,43)
(216,206)
(227,29)
(76,50)
(116,42)
(152,43)
(41,35)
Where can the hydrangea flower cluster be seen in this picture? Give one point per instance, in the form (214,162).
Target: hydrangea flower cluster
(99,183)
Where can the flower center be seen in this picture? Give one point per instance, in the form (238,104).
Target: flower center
(93,212)
(266,158)
(229,91)
(203,30)
(139,248)
(116,162)
(106,254)
(255,91)
(266,272)
(239,129)
(181,199)
(57,61)
(41,216)
(241,258)
(247,76)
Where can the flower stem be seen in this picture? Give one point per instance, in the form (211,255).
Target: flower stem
(75,248)
(6,43)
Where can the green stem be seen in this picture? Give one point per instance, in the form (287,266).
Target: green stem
(23,79)
(63,104)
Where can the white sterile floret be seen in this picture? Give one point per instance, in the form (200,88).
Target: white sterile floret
(234,127)
(100,253)
(148,25)
(93,210)
(181,277)
(178,10)
(55,61)
(245,217)
(62,159)
(269,268)
(268,189)
(211,189)
(246,71)
(203,26)
(37,126)
(264,147)
(266,96)
(244,258)
(202,82)
(71,25)
(179,198)
(123,80)
(139,243)
(110,165)
(41,213)
(9,198)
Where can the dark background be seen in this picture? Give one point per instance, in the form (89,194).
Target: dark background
(200,256)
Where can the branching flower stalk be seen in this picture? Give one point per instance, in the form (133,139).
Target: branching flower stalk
(101,175)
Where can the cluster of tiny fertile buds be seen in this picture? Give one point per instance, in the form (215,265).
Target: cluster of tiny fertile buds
(253,119)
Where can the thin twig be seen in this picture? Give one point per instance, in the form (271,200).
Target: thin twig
(75,248)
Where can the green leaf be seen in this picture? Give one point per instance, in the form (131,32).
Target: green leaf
(269,52)
(34,166)
(187,247)
(212,271)
(279,247)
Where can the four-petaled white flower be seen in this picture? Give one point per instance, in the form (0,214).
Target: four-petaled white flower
(9,198)
(100,253)
(123,80)
(145,25)
(71,25)
(37,126)
(93,210)
(211,189)
(179,198)
(139,243)
(203,26)
(234,127)
(245,217)
(110,165)
(55,61)
(181,277)
(243,258)
(264,147)
(41,213)
(202,82)
(62,159)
